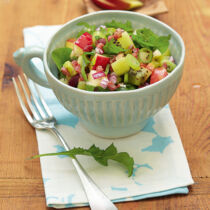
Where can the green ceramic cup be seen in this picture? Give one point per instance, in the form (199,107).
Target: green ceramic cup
(106,114)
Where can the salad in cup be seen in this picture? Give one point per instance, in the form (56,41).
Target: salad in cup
(113,57)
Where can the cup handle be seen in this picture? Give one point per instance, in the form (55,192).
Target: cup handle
(23,58)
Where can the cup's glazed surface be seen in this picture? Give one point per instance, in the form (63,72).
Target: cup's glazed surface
(107,114)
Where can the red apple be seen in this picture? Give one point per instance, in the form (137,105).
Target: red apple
(85,42)
(101,61)
(118,4)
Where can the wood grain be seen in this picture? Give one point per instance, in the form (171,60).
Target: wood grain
(21,185)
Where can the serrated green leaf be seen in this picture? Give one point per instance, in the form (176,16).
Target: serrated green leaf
(125,26)
(60,56)
(87,28)
(100,155)
(146,38)
(111,48)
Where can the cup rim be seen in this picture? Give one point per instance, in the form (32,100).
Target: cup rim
(155,85)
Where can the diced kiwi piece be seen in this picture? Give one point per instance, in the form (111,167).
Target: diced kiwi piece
(119,79)
(138,77)
(170,65)
(81,85)
(80,60)
(120,66)
(77,51)
(126,41)
(145,55)
(70,68)
(132,62)
(96,35)
(126,78)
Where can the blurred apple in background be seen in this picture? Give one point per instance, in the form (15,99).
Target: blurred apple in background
(118,4)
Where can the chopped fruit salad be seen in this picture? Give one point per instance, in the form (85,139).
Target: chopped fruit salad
(113,57)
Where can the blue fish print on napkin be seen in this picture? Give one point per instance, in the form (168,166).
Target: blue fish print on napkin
(159,143)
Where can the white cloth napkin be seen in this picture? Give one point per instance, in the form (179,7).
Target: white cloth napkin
(160,168)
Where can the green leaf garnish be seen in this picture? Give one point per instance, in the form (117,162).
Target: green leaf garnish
(90,53)
(125,26)
(111,48)
(87,28)
(146,38)
(100,155)
(60,56)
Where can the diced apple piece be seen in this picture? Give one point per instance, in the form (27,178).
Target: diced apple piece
(125,41)
(70,68)
(85,42)
(101,61)
(77,51)
(118,4)
(80,60)
(93,82)
(70,43)
(120,66)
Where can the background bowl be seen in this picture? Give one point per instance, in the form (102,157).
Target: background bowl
(115,114)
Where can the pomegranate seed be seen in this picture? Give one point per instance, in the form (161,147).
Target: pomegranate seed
(110,37)
(65,71)
(143,65)
(112,60)
(135,50)
(74,63)
(100,45)
(118,33)
(77,68)
(113,78)
(112,86)
(102,40)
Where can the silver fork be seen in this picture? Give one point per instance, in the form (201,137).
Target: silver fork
(43,119)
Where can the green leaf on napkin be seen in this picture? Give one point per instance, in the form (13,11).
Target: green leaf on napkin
(146,38)
(100,155)
(61,55)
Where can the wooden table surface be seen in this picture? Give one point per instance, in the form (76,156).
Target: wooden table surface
(21,186)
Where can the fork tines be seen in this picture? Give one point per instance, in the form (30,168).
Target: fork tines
(39,109)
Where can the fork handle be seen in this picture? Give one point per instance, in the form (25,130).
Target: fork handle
(97,199)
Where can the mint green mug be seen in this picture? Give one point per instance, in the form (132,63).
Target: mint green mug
(106,114)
